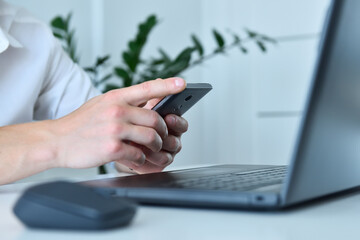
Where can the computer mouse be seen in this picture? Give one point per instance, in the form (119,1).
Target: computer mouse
(65,205)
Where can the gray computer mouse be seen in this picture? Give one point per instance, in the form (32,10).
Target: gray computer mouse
(65,205)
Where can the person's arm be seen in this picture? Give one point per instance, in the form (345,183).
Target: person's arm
(106,128)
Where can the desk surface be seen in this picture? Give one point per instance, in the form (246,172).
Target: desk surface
(333,219)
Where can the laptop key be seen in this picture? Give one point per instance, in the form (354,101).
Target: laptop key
(233,182)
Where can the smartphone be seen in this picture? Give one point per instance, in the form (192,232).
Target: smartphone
(179,103)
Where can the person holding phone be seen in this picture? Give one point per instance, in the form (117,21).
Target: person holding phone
(51,116)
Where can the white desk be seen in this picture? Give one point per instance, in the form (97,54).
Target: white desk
(334,219)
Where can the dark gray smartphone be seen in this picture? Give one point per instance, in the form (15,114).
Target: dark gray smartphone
(179,103)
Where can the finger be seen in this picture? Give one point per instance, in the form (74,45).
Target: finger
(148,167)
(121,150)
(162,158)
(172,144)
(176,125)
(151,103)
(141,93)
(121,167)
(146,118)
(144,136)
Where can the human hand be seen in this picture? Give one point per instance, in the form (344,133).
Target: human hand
(157,161)
(115,127)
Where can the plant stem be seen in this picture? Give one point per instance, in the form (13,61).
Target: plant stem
(102,170)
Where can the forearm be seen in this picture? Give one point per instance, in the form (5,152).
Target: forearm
(26,149)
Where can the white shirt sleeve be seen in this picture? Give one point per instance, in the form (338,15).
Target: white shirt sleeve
(66,86)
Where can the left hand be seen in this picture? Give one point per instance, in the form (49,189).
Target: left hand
(157,161)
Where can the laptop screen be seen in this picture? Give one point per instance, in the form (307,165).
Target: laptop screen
(327,159)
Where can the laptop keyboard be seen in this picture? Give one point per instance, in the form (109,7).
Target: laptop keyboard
(241,181)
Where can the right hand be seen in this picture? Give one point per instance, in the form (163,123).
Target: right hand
(108,127)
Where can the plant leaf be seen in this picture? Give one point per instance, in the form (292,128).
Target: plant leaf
(237,39)
(90,69)
(128,82)
(198,45)
(165,56)
(251,34)
(261,45)
(185,55)
(58,35)
(122,73)
(219,39)
(135,47)
(130,61)
(181,62)
(58,22)
(67,21)
(102,60)
(243,50)
(151,21)
(154,62)
(110,87)
(131,57)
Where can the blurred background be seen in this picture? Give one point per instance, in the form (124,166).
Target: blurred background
(253,113)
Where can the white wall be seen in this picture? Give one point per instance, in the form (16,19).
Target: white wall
(252,114)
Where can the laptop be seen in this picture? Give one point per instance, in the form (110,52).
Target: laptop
(326,157)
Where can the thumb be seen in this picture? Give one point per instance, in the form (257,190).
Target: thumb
(139,94)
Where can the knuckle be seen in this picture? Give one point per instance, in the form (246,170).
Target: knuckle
(174,144)
(177,144)
(179,147)
(113,146)
(185,124)
(115,128)
(152,135)
(116,112)
(139,157)
(154,139)
(154,119)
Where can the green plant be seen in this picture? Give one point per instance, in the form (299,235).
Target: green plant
(163,66)
(61,29)
(135,69)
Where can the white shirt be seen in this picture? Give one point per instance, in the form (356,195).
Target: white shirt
(38,80)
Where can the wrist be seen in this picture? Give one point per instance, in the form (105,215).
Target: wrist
(26,149)
(45,152)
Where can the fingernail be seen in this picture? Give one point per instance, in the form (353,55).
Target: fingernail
(141,161)
(179,82)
